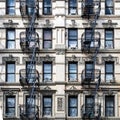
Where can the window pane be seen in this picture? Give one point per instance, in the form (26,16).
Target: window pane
(109,2)
(47,68)
(73,112)
(109,68)
(73,102)
(47,102)
(48,44)
(10,68)
(11,78)
(109,77)
(47,111)
(47,34)
(47,77)
(11,2)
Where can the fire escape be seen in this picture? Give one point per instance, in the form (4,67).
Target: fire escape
(29,42)
(90,44)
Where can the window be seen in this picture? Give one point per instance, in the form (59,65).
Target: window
(47,106)
(10,38)
(47,71)
(10,72)
(29,7)
(89,67)
(109,37)
(47,38)
(47,7)
(89,105)
(10,7)
(72,38)
(109,106)
(30,105)
(10,106)
(88,34)
(109,7)
(72,106)
(72,71)
(72,7)
(89,6)
(109,71)
(30,71)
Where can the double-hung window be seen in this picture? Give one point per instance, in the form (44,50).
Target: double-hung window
(72,7)
(89,69)
(10,38)
(30,71)
(47,7)
(109,7)
(72,38)
(10,72)
(109,38)
(109,106)
(47,38)
(47,71)
(109,71)
(47,105)
(10,7)
(10,106)
(89,105)
(72,71)
(30,105)
(72,106)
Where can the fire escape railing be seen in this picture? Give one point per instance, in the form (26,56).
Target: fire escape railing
(29,41)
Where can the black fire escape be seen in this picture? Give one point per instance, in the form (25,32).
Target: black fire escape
(29,42)
(90,44)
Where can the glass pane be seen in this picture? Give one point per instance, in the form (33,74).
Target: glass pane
(11,11)
(10,102)
(48,44)
(73,68)
(72,77)
(47,34)
(109,11)
(47,68)
(109,77)
(72,33)
(73,102)
(89,66)
(11,111)
(109,112)
(109,68)
(11,34)
(72,43)
(47,2)
(11,78)
(11,44)
(11,2)
(109,44)
(109,35)
(73,3)
(47,102)
(73,112)
(109,2)
(47,77)
(10,68)
(47,111)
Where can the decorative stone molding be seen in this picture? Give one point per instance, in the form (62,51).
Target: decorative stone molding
(73,58)
(60,52)
(11,58)
(24,59)
(47,58)
(60,104)
(47,23)
(109,24)
(27,25)
(10,24)
(47,90)
(110,58)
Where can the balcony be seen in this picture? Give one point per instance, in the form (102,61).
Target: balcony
(89,42)
(29,7)
(90,8)
(29,77)
(92,77)
(91,111)
(29,112)
(28,44)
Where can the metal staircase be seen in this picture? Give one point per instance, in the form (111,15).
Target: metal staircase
(29,42)
(90,45)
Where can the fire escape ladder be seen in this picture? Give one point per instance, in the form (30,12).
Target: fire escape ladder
(30,70)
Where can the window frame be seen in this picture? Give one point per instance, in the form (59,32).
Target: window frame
(109,40)
(109,73)
(72,7)
(10,42)
(7,106)
(48,106)
(48,7)
(72,73)
(47,40)
(109,7)
(72,107)
(10,7)
(113,106)
(47,73)
(72,38)
(10,73)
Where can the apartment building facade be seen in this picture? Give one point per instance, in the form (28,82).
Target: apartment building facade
(76,63)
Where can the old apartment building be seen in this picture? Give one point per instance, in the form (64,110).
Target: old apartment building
(59,59)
